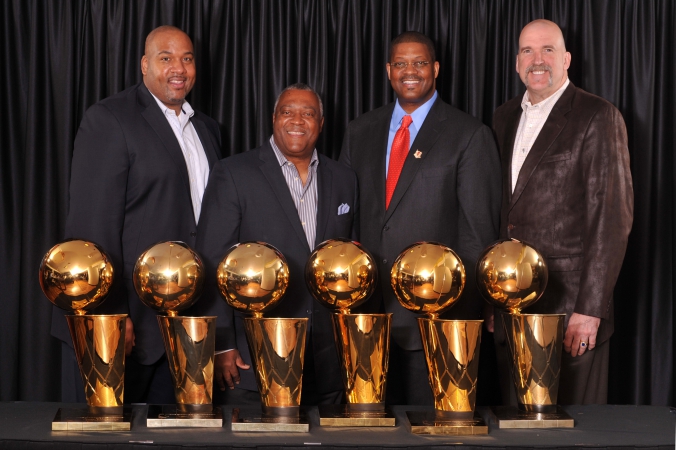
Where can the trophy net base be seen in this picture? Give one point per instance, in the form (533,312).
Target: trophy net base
(347,416)
(82,419)
(513,417)
(254,420)
(430,422)
(168,416)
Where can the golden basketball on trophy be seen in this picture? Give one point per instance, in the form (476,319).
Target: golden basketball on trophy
(253,277)
(428,278)
(512,275)
(169,277)
(76,275)
(341,274)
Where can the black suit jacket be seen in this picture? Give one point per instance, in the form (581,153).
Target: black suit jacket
(450,194)
(129,189)
(573,201)
(247,199)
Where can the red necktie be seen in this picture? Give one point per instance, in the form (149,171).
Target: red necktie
(397,157)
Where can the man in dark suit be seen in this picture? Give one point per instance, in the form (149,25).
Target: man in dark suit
(448,191)
(567,191)
(140,164)
(285,194)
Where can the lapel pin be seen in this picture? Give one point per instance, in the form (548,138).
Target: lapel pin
(417,154)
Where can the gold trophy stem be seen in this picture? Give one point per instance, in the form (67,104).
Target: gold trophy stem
(363,343)
(535,342)
(98,341)
(277,349)
(452,354)
(190,344)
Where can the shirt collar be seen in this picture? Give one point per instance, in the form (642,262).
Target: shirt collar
(282,159)
(525,102)
(418,115)
(185,107)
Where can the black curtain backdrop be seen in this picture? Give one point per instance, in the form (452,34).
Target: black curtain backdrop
(63,56)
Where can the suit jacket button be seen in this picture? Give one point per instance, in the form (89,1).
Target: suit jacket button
(510,227)
(384,261)
(386,228)
(193,233)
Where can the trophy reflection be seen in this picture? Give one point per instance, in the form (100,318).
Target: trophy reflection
(512,275)
(429,278)
(168,277)
(76,275)
(341,275)
(253,277)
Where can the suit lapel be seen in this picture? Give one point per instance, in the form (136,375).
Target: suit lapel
(512,125)
(377,151)
(207,139)
(324,186)
(550,131)
(153,115)
(424,142)
(273,173)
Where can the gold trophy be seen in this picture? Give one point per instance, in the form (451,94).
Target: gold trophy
(429,278)
(512,275)
(76,275)
(168,278)
(341,275)
(252,277)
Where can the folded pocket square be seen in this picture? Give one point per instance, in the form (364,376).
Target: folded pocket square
(344,208)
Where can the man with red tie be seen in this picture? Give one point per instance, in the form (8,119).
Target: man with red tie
(427,172)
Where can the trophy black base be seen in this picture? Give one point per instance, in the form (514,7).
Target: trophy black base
(171,416)
(513,417)
(350,416)
(255,420)
(446,424)
(83,419)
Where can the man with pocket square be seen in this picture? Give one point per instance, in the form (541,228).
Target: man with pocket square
(567,190)
(427,172)
(288,195)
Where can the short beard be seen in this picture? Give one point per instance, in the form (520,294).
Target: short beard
(539,67)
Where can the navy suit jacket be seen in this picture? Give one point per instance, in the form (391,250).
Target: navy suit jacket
(129,190)
(247,199)
(449,194)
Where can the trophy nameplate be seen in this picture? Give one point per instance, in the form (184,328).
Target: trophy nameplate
(167,416)
(344,416)
(513,417)
(431,422)
(255,420)
(82,419)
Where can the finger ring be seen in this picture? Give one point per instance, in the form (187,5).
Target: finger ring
(583,344)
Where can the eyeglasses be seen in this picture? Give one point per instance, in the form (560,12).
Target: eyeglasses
(417,65)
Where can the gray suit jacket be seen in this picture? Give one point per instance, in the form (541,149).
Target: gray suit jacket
(451,195)
(129,189)
(247,199)
(573,201)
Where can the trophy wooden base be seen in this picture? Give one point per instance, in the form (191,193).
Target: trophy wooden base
(431,422)
(168,416)
(82,419)
(344,416)
(512,417)
(255,420)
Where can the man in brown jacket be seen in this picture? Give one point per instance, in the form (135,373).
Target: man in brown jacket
(567,191)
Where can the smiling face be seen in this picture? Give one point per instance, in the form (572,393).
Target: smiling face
(168,66)
(413,86)
(542,62)
(296,124)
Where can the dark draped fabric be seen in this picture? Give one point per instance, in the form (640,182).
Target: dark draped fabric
(62,56)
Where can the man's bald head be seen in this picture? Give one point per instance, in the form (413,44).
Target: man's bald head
(542,61)
(150,39)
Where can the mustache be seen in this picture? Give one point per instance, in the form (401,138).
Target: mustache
(538,67)
(410,78)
